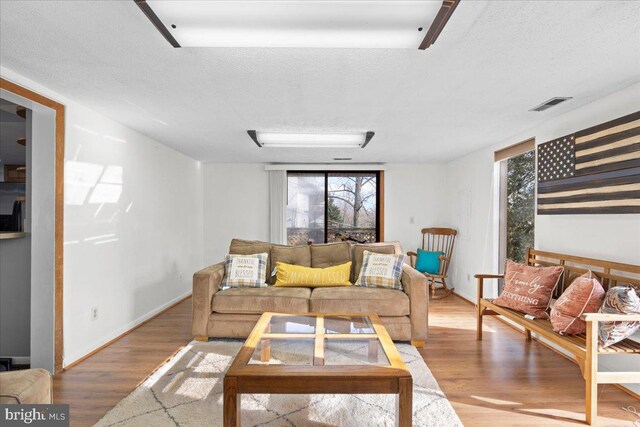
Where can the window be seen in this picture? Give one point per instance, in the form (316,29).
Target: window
(517,201)
(333,206)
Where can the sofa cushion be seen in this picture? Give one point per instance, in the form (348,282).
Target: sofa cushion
(294,255)
(259,300)
(358,251)
(330,254)
(383,302)
(248,247)
(251,247)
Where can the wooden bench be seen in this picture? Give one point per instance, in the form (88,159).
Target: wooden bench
(585,347)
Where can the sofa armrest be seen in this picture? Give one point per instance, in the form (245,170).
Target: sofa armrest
(206,282)
(415,286)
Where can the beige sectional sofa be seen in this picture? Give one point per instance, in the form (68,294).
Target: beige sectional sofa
(232,313)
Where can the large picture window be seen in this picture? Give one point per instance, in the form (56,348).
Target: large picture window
(333,206)
(517,201)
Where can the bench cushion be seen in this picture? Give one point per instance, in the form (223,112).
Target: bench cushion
(383,302)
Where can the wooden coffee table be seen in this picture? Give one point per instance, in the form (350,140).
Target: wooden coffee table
(315,353)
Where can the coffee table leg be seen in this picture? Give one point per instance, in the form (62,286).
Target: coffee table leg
(405,402)
(231,408)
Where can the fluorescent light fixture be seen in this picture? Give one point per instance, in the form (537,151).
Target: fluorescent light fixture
(299,23)
(310,140)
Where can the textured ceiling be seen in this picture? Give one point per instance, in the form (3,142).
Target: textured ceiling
(492,63)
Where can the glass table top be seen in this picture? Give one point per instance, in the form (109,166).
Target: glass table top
(339,324)
(322,340)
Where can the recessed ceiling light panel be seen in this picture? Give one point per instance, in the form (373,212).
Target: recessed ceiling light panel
(295,24)
(310,140)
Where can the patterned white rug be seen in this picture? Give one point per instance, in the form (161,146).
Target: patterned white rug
(187,391)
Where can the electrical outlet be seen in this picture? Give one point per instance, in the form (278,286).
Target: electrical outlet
(468,277)
(94,313)
(180,276)
(412,220)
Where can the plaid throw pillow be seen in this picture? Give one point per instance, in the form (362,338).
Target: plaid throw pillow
(381,271)
(245,271)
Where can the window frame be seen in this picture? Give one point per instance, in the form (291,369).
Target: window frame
(379,195)
(501,160)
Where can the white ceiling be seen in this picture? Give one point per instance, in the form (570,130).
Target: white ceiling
(492,63)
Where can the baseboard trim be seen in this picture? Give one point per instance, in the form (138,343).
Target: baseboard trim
(555,350)
(127,332)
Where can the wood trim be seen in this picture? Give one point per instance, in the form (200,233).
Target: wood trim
(515,149)
(380,212)
(58,210)
(441,19)
(122,335)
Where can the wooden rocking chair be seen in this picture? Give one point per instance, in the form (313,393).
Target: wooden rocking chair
(437,240)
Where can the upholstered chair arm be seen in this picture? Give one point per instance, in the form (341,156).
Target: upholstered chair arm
(415,286)
(206,282)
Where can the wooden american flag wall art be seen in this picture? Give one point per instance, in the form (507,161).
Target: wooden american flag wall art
(594,171)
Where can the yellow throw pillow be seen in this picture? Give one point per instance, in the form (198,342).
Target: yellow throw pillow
(297,275)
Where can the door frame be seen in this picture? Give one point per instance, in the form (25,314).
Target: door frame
(59,110)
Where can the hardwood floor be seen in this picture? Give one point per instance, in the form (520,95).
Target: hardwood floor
(97,384)
(505,381)
(501,381)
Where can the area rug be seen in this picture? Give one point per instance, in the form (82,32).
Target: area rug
(187,391)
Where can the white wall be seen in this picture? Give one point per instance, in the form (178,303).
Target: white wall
(609,237)
(132,226)
(415,192)
(236,204)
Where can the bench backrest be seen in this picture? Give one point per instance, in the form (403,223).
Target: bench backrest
(610,273)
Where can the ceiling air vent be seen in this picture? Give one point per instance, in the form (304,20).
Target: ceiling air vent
(550,103)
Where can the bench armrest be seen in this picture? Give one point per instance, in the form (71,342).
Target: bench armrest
(415,286)
(480,278)
(206,283)
(606,317)
(489,276)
